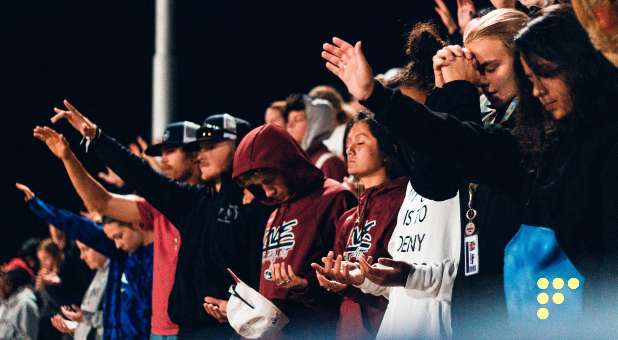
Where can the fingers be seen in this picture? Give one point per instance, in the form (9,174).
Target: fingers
(328,261)
(142,143)
(284,274)
(318,269)
(70,106)
(332,49)
(214,311)
(333,69)
(135,149)
(456,50)
(234,277)
(467,53)
(276,276)
(60,114)
(342,43)
(291,275)
(323,281)
(22,187)
(331,58)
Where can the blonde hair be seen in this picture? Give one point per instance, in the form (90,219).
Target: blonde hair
(501,24)
(48,246)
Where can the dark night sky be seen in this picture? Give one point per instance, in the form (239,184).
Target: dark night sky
(233,56)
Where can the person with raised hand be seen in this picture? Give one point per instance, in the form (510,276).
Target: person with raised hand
(177,163)
(540,168)
(128,289)
(217,230)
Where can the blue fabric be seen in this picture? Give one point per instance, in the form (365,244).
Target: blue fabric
(532,255)
(128,293)
(163,337)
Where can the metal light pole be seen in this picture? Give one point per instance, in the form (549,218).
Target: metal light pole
(163,73)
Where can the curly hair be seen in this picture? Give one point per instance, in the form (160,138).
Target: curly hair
(422,43)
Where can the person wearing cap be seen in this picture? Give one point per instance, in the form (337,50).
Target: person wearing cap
(216,229)
(177,163)
(300,230)
(311,121)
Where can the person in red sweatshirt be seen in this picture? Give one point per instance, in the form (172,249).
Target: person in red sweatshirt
(301,230)
(373,157)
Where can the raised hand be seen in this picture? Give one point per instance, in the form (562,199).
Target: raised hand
(139,149)
(388,272)
(445,16)
(56,142)
(28,194)
(76,119)
(110,177)
(73,313)
(284,277)
(216,308)
(349,64)
(465,12)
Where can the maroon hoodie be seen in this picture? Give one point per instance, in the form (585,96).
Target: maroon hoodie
(366,229)
(302,229)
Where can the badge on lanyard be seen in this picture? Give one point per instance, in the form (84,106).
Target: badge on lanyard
(471,253)
(471,239)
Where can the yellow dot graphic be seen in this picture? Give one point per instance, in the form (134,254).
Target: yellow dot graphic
(558,298)
(543,283)
(573,283)
(542,298)
(542,313)
(558,283)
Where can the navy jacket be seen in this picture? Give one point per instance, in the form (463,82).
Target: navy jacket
(127,302)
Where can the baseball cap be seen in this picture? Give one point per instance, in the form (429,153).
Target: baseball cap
(219,127)
(251,314)
(175,134)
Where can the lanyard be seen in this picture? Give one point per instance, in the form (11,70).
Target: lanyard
(509,110)
(471,212)
(471,239)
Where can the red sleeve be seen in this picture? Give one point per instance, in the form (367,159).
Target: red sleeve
(334,168)
(146,212)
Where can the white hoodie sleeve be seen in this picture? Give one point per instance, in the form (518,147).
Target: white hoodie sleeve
(369,287)
(432,280)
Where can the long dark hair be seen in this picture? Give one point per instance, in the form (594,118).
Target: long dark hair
(556,36)
(387,145)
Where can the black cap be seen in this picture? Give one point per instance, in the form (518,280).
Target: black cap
(219,127)
(175,134)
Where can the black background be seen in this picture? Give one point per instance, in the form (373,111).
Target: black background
(232,56)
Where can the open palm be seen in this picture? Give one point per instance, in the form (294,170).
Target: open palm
(349,64)
(56,142)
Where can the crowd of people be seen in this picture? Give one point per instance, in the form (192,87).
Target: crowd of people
(452,197)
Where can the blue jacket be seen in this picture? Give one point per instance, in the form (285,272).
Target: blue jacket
(127,302)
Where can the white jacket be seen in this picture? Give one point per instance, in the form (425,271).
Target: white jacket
(19,316)
(428,237)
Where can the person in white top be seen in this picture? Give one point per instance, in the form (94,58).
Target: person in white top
(418,280)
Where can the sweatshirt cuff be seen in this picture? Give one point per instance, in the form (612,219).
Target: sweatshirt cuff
(464,93)
(379,98)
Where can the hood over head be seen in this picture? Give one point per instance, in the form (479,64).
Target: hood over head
(321,121)
(271,147)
